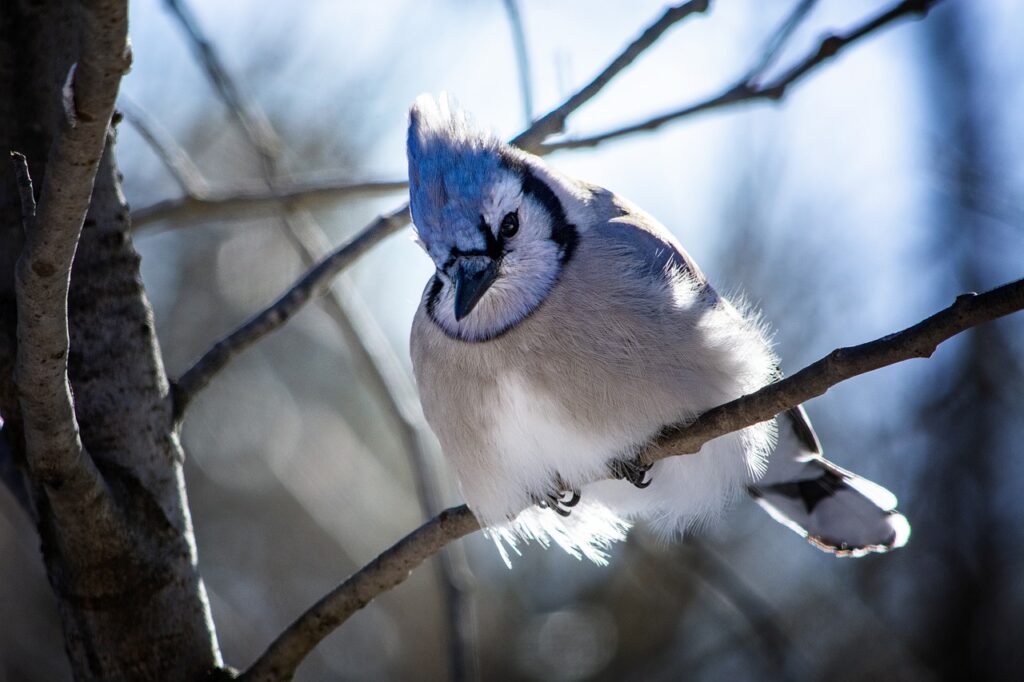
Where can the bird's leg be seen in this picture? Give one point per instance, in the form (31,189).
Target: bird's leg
(561,498)
(632,470)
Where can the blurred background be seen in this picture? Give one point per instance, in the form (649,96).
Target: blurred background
(884,184)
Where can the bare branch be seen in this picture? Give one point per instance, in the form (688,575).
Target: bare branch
(387,571)
(515,21)
(26,192)
(248,200)
(53,448)
(747,90)
(251,117)
(392,567)
(167,149)
(919,341)
(764,623)
(312,284)
(554,121)
(778,39)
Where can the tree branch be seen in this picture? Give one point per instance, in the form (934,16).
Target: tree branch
(554,121)
(746,89)
(249,200)
(391,568)
(53,448)
(387,571)
(251,117)
(515,22)
(312,284)
(167,149)
(919,341)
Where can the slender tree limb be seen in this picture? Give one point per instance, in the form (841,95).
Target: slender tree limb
(391,568)
(249,200)
(778,40)
(167,149)
(553,122)
(53,448)
(311,285)
(515,21)
(764,623)
(919,341)
(387,571)
(747,89)
(250,116)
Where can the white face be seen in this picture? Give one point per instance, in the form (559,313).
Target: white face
(515,234)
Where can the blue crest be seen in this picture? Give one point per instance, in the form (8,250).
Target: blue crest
(451,162)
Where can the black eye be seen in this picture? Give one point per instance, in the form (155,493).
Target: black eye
(509,225)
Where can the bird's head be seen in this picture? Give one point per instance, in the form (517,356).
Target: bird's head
(492,218)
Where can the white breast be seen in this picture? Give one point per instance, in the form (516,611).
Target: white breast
(537,439)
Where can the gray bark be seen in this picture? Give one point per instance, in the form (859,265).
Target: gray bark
(105,483)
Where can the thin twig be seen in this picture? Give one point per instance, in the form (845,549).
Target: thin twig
(778,40)
(54,453)
(167,149)
(554,121)
(515,22)
(745,90)
(26,193)
(315,282)
(251,117)
(245,201)
(764,622)
(387,571)
(391,568)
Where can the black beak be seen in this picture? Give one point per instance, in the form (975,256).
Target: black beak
(472,277)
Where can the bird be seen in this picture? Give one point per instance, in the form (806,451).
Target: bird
(562,329)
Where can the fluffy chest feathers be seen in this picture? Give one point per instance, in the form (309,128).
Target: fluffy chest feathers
(626,342)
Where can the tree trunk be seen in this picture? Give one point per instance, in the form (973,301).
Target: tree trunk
(133,607)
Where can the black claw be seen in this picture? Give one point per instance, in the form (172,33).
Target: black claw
(560,501)
(633,471)
(574,498)
(561,511)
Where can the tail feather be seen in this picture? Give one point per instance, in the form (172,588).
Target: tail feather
(836,510)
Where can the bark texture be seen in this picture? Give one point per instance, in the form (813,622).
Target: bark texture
(112,515)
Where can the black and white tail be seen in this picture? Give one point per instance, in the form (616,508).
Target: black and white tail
(837,511)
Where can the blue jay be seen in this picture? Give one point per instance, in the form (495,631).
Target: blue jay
(562,329)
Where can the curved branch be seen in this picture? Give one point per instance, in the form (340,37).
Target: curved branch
(312,284)
(919,341)
(391,568)
(53,448)
(746,89)
(387,571)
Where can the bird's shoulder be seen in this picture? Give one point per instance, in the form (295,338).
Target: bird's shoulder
(618,230)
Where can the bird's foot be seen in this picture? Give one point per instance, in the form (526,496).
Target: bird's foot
(632,470)
(561,500)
